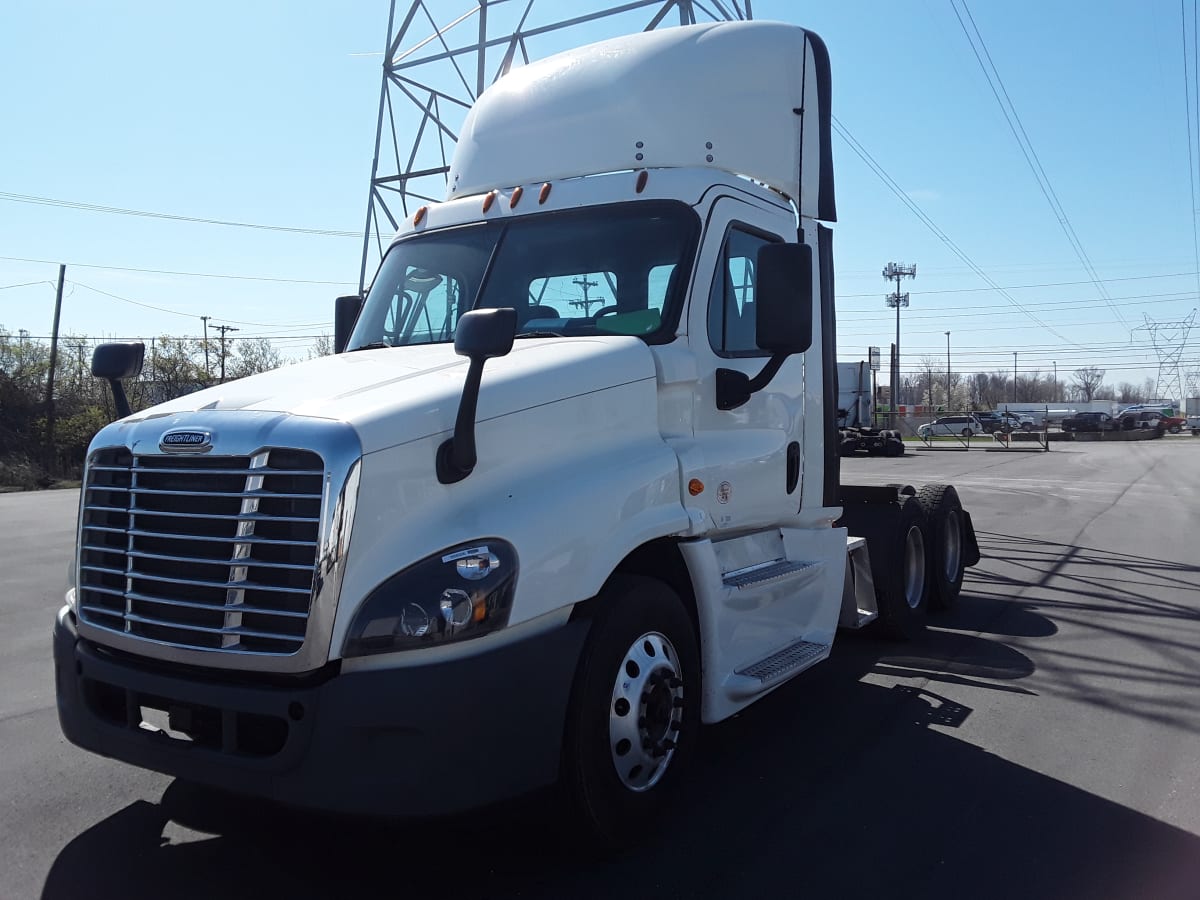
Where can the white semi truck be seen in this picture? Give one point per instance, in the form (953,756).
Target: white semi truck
(857,431)
(503,539)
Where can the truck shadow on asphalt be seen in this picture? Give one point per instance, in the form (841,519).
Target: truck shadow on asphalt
(840,784)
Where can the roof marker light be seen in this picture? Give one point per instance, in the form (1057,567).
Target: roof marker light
(544,193)
(489,200)
(419,215)
(641,180)
(516,197)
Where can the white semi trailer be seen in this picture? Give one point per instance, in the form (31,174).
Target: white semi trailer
(503,539)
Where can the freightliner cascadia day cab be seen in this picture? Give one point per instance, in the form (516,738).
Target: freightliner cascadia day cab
(568,490)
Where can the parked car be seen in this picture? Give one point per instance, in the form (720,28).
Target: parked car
(1017,421)
(965,426)
(990,421)
(1090,421)
(1152,418)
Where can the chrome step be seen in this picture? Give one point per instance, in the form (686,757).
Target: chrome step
(761,574)
(775,669)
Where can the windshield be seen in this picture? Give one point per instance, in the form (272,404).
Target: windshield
(604,270)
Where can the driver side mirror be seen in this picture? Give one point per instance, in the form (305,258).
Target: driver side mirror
(112,362)
(784,298)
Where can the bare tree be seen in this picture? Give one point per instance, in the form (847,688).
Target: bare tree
(322,346)
(253,355)
(1087,381)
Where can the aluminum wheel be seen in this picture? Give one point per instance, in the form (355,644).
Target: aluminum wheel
(914,567)
(646,712)
(952,549)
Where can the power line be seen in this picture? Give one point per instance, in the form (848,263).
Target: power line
(891,185)
(990,72)
(117,210)
(189,315)
(79,265)
(1187,111)
(1021,287)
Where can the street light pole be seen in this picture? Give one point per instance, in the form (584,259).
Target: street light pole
(948,409)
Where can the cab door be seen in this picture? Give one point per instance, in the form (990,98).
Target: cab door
(747,460)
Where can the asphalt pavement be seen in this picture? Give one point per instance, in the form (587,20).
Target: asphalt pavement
(1039,741)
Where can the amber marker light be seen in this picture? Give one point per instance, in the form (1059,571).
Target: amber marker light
(489,200)
(419,215)
(516,197)
(695,487)
(544,193)
(643,176)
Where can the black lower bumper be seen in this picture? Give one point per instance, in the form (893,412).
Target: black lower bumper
(407,741)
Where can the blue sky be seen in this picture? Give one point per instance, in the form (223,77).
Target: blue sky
(265,113)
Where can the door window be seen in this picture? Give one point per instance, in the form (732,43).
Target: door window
(731,316)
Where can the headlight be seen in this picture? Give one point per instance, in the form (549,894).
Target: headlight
(461,593)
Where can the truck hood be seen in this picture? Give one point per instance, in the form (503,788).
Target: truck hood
(395,395)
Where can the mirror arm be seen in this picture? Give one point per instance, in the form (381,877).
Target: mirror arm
(734,388)
(120,401)
(456,457)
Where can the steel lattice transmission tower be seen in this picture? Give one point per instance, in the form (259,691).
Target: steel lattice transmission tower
(1169,340)
(434,68)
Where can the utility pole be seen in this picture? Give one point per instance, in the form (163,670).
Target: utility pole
(62,275)
(1014,376)
(585,302)
(947,371)
(897,301)
(207,370)
(223,329)
(1054,398)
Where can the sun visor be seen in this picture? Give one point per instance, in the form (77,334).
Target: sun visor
(748,98)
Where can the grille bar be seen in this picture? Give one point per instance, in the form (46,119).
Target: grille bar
(248,539)
(202,629)
(238,495)
(249,610)
(163,557)
(197,582)
(254,517)
(169,545)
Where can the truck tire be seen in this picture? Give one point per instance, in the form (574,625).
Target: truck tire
(893,447)
(946,543)
(634,711)
(900,569)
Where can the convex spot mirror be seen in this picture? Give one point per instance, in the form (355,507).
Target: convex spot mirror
(784,298)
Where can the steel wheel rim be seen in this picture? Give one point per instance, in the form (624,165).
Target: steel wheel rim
(952,545)
(914,567)
(645,713)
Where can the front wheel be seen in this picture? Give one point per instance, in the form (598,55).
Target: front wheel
(635,709)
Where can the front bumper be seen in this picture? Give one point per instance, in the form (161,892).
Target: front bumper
(410,741)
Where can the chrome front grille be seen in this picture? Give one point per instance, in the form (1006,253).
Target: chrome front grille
(207,553)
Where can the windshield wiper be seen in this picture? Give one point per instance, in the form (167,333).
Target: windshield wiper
(539,333)
(374,345)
